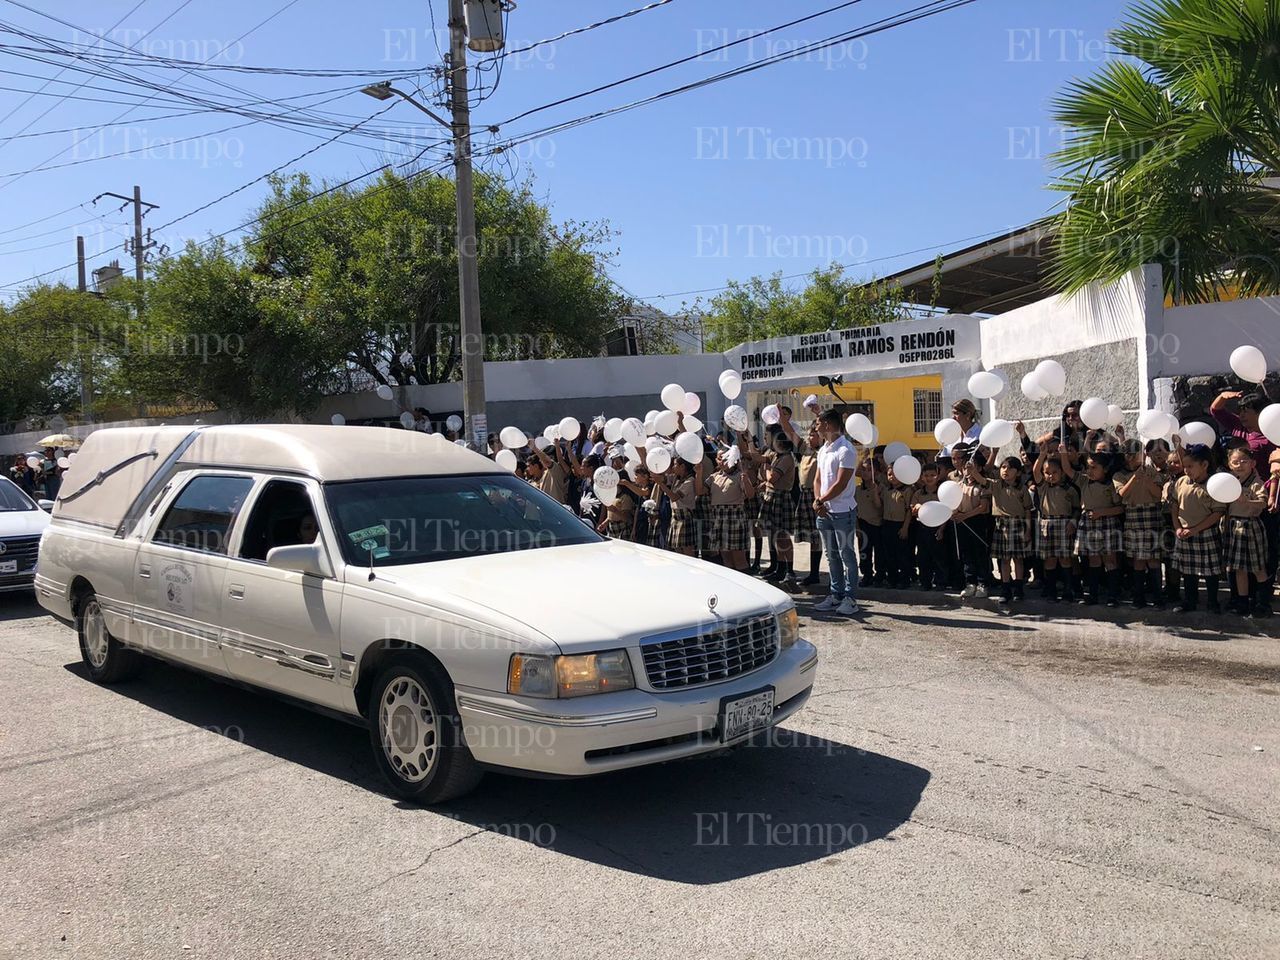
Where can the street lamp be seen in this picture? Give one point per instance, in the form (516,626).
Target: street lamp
(471,336)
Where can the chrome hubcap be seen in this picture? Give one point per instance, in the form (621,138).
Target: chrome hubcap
(409,729)
(95,635)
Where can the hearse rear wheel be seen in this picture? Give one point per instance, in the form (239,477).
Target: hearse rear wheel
(417,734)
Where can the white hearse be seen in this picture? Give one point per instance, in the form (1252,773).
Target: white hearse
(407,584)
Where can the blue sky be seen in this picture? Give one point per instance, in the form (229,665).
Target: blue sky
(915,138)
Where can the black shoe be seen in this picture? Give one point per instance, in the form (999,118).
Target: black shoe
(773,576)
(1139,601)
(1187,606)
(1213,607)
(1017,593)
(1113,601)
(754,568)
(867,582)
(810,580)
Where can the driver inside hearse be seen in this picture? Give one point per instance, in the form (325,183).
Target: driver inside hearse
(282,517)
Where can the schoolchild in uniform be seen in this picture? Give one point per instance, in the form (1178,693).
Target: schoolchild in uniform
(682,484)
(754,465)
(928,540)
(1011,541)
(1196,518)
(1246,555)
(777,510)
(896,497)
(1141,491)
(731,487)
(1098,529)
(1058,504)
(869,497)
(972,520)
(805,529)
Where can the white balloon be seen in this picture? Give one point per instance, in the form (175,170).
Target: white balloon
(1115,415)
(1093,413)
(613,430)
(651,427)
(996,434)
(875,436)
(454,422)
(659,460)
(462,443)
(607,495)
(1052,377)
(1154,425)
(1197,432)
(895,450)
(730,384)
(934,513)
(666,423)
(569,429)
(506,459)
(64,462)
(1033,389)
(337,419)
(632,430)
(950,493)
(1249,363)
(771,414)
(673,396)
(384,392)
(34,462)
(552,432)
(736,418)
(513,438)
(542,443)
(986,385)
(947,432)
(689,447)
(1224,488)
(605,477)
(859,427)
(907,469)
(653,443)
(1269,422)
(692,404)
(691,423)
(811,402)
(406,420)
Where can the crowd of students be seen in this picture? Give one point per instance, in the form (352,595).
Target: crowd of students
(1091,517)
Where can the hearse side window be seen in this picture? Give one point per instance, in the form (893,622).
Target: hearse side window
(281,517)
(201,517)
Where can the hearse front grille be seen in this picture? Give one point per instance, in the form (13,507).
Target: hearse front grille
(718,654)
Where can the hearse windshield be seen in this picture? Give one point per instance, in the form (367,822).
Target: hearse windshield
(421,519)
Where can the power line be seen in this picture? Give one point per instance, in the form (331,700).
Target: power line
(573,33)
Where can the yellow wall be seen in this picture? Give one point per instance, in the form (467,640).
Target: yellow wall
(893,400)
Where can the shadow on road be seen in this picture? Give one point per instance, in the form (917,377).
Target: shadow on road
(785,800)
(20,605)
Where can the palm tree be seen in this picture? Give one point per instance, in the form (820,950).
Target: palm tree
(1172,156)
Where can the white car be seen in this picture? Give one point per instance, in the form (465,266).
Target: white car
(402,582)
(22,521)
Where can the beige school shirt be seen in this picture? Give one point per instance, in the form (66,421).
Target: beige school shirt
(1010,500)
(974,494)
(554,481)
(782,475)
(1096,494)
(683,495)
(1194,503)
(726,489)
(870,506)
(897,502)
(1138,495)
(1253,498)
(1062,501)
(808,471)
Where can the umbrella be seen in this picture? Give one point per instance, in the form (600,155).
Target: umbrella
(61,440)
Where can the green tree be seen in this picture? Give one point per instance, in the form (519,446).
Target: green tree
(762,308)
(1171,156)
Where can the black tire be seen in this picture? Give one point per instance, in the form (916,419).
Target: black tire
(112,665)
(424,760)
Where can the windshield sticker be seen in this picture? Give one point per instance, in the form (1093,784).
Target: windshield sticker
(367,540)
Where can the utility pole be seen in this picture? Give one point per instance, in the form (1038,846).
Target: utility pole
(140,245)
(86,369)
(472,337)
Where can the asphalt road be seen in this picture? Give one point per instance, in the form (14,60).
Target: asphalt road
(961,785)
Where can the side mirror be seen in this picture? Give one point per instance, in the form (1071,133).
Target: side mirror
(308,558)
(45,505)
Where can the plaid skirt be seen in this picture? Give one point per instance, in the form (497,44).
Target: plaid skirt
(702,522)
(1144,531)
(804,521)
(751,507)
(1201,555)
(683,532)
(728,527)
(652,535)
(619,529)
(1246,544)
(1096,537)
(1055,541)
(776,513)
(1012,538)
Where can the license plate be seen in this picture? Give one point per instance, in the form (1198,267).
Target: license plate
(741,715)
(8,566)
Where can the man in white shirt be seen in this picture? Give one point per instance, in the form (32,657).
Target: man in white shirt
(837,513)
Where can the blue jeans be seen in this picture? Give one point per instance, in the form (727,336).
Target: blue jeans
(839,533)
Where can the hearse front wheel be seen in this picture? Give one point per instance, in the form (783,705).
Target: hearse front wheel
(108,660)
(417,734)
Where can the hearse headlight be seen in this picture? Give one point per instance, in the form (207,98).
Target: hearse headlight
(579,675)
(788,627)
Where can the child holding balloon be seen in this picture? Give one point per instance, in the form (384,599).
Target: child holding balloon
(972,519)
(928,539)
(1246,554)
(1098,529)
(1140,489)
(1058,504)
(730,487)
(777,510)
(896,536)
(1197,552)
(1011,513)
(804,522)
(682,485)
